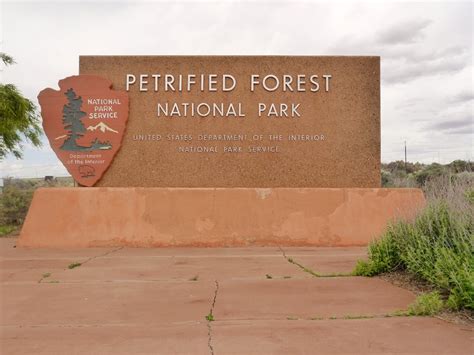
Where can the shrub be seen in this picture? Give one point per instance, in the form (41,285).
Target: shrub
(429,172)
(438,246)
(383,255)
(7,229)
(385,178)
(364,268)
(470,196)
(14,204)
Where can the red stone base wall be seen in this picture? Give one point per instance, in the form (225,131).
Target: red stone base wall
(213,217)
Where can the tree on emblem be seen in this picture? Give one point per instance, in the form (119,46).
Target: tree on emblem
(72,116)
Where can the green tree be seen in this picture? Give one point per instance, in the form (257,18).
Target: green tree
(18,118)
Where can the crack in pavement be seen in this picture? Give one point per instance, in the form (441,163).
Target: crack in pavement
(102,255)
(49,274)
(314,273)
(210,318)
(44,276)
(283,252)
(99,256)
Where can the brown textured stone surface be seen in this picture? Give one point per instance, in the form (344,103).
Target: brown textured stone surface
(153,217)
(348,116)
(79,110)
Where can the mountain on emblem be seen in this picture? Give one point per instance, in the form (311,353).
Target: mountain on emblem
(79,137)
(101,127)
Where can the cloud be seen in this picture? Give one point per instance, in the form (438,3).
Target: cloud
(425,49)
(460,131)
(406,51)
(454,124)
(402,33)
(462,97)
(404,71)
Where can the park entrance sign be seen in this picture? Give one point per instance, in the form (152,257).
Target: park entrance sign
(238,121)
(216,151)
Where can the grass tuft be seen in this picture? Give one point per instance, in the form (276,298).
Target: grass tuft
(74,265)
(427,304)
(210,317)
(360,316)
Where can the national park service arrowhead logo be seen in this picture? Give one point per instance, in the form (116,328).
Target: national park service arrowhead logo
(84,121)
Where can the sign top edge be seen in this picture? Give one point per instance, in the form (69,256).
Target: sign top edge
(227,56)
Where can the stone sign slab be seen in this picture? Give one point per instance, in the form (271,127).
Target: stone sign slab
(245,121)
(213,217)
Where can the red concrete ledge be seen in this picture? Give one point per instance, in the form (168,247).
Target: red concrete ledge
(157,217)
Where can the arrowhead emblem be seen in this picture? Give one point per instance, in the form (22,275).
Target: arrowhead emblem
(85,122)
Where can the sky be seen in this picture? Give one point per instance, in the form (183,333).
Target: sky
(426,51)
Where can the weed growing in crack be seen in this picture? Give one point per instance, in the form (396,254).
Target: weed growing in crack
(316,274)
(210,316)
(195,278)
(292,318)
(268,276)
(427,304)
(287,277)
(309,271)
(360,316)
(399,313)
(44,276)
(74,265)
(337,274)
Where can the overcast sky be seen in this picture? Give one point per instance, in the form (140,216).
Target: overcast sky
(426,50)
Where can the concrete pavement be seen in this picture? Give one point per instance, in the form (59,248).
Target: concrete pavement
(155,301)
